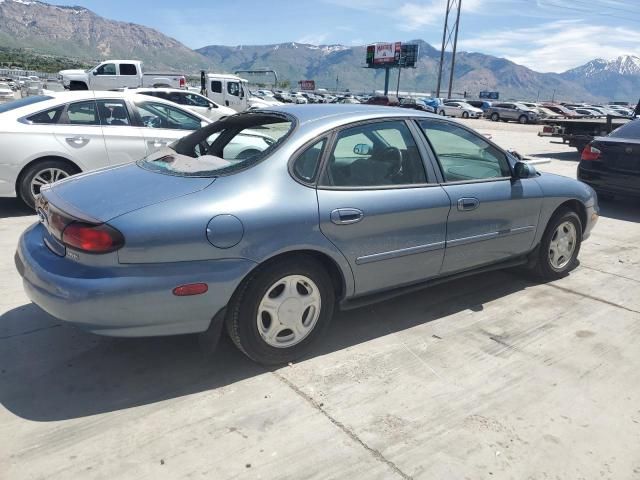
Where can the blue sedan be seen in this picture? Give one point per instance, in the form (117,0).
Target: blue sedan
(334,206)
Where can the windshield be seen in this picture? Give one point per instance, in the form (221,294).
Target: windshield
(225,147)
(628,130)
(23,102)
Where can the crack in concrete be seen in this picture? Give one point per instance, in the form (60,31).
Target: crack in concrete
(28,332)
(353,436)
(591,297)
(611,273)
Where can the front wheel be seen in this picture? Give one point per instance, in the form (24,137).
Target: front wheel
(441,113)
(559,247)
(495,117)
(523,119)
(465,114)
(40,174)
(280,310)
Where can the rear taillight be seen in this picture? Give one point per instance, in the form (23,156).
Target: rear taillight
(590,153)
(183,82)
(92,238)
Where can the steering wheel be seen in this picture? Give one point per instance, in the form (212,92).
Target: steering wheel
(393,157)
(152,122)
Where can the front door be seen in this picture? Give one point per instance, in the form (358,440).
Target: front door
(493,216)
(378,207)
(124,141)
(105,77)
(79,132)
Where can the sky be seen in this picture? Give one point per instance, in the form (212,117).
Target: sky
(545,35)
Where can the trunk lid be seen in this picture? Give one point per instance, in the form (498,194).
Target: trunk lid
(102,195)
(619,154)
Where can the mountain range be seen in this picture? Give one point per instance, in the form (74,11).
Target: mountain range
(79,33)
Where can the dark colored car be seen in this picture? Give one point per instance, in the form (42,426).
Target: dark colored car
(387,100)
(416,105)
(611,164)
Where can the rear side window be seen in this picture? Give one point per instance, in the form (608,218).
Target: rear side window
(128,69)
(306,165)
(48,116)
(83,113)
(216,86)
(628,130)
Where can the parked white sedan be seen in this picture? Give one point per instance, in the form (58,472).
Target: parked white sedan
(6,94)
(459,109)
(190,100)
(48,137)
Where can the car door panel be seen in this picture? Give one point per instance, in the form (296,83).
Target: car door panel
(125,142)
(398,239)
(502,224)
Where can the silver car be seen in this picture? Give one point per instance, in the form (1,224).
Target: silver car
(512,111)
(348,205)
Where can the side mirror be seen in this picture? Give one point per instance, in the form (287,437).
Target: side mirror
(94,72)
(203,124)
(362,149)
(525,170)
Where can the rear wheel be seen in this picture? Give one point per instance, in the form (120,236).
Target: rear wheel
(280,311)
(559,247)
(39,174)
(495,117)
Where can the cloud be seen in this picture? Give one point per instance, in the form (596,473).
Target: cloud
(417,15)
(555,46)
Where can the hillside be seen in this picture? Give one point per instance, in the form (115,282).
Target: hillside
(617,79)
(78,32)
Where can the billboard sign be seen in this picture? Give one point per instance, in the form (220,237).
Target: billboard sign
(383,54)
(489,95)
(307,84)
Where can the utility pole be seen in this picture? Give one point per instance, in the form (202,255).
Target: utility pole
(450,30)
(386,80)
(398,85)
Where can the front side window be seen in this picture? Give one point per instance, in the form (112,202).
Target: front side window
(83,113)
(48,116)
(373,155)
(306,165)
(159,115)
(106,69)
(128,69)
(216,86)
(224,147)
(463,155)
(113,113)
(233,88)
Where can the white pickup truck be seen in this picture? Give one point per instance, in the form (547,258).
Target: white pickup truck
(116,74)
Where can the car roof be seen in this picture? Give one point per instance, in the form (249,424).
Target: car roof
(334,113)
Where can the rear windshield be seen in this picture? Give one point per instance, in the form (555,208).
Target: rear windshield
(224,147)
(23,102)
(628,130)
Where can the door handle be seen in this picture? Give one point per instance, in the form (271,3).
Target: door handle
(346,216)
(77,141)
(468,203)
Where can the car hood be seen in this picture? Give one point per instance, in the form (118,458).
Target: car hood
(104,194)
(70,72)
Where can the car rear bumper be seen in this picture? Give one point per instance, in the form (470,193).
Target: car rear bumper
(610,182)
(125,300)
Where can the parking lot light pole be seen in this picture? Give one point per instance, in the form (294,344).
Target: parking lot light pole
(386,80)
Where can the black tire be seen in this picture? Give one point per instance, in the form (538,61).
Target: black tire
(78,86)
(542,266)
(24,184)
(442,113)
(241,319)
(495,117)
(465,114)
(523,120)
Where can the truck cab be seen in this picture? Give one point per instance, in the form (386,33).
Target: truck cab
(228,90)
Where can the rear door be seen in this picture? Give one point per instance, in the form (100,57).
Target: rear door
(378,206)
(79,132)
(164,123)
(124,140)
(493,216)
(129,75)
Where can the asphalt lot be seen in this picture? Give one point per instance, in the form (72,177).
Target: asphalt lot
(488,377)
